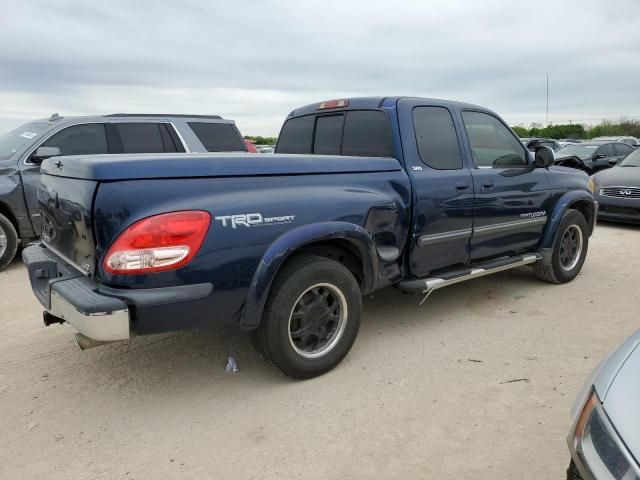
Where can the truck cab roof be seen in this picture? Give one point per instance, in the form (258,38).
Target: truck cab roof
(367,103)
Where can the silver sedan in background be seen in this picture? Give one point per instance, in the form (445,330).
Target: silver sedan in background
(605,435)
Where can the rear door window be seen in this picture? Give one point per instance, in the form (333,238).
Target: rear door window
(436,138)
(141,137)
(367,133)
(328,135)
(85,139)
(296,135)
(218,137)
(623,150)
(606,150)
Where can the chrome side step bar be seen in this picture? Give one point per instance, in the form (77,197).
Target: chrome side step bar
(428,285)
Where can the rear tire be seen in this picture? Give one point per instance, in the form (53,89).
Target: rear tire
(569,250)
(8,241)
(311,318)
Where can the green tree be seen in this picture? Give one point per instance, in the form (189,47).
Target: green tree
(520,131)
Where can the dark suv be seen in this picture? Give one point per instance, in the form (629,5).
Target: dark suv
(23,149)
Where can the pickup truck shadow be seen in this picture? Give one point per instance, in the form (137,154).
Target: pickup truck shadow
(192,362)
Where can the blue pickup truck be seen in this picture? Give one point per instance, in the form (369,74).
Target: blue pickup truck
(361,194)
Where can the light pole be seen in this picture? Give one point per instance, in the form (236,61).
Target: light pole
(547,100)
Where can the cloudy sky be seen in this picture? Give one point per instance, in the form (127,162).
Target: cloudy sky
(256,61)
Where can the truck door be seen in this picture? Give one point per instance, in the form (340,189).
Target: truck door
(442,186)
(511,196)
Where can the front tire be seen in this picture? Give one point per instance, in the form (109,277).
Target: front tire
(8,241)
(311,318)
(569,250)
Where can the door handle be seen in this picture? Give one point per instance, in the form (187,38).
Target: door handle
(487,185)
(461,186)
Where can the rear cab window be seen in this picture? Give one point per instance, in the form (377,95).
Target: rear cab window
(218,137)
(364,133)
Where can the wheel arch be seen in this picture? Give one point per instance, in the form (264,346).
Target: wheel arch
(8,212)
(577,200)
(345,242)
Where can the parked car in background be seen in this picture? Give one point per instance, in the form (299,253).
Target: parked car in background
(618,190)
(629,140)
(251,146)
(604,439)
(565,142)
(23,149)
(361,194)
(266,148)
(592,156)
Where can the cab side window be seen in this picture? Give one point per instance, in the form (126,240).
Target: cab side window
(436,138)
(85,139)
(492,144)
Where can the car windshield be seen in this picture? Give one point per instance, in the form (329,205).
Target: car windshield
(631,160)
(580,151)
(15,140)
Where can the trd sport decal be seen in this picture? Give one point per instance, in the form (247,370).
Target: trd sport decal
(253,220)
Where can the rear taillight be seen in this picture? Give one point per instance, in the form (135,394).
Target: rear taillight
(162,242)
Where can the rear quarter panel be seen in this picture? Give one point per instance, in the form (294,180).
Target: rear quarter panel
(230,256)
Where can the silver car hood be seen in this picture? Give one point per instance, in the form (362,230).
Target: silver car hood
(622,400)
(605,373)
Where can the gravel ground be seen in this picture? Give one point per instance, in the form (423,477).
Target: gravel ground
(426,392)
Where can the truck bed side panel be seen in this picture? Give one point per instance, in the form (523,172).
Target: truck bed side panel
(248,214)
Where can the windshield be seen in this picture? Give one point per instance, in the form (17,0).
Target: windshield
(581,151)
(631,160)
(15,140)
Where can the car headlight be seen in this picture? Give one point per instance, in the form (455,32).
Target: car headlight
(600,450)
(591,185)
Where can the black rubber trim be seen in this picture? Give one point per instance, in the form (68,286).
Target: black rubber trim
(508,226)
(153,297)
(167,115)
(81,293)
(425,240)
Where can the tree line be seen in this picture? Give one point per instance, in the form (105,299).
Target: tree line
(575,130)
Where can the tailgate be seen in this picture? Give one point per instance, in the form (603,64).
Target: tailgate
(66,205)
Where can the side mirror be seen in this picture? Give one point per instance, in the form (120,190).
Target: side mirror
(598,156)
(42,153)
(544,157)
